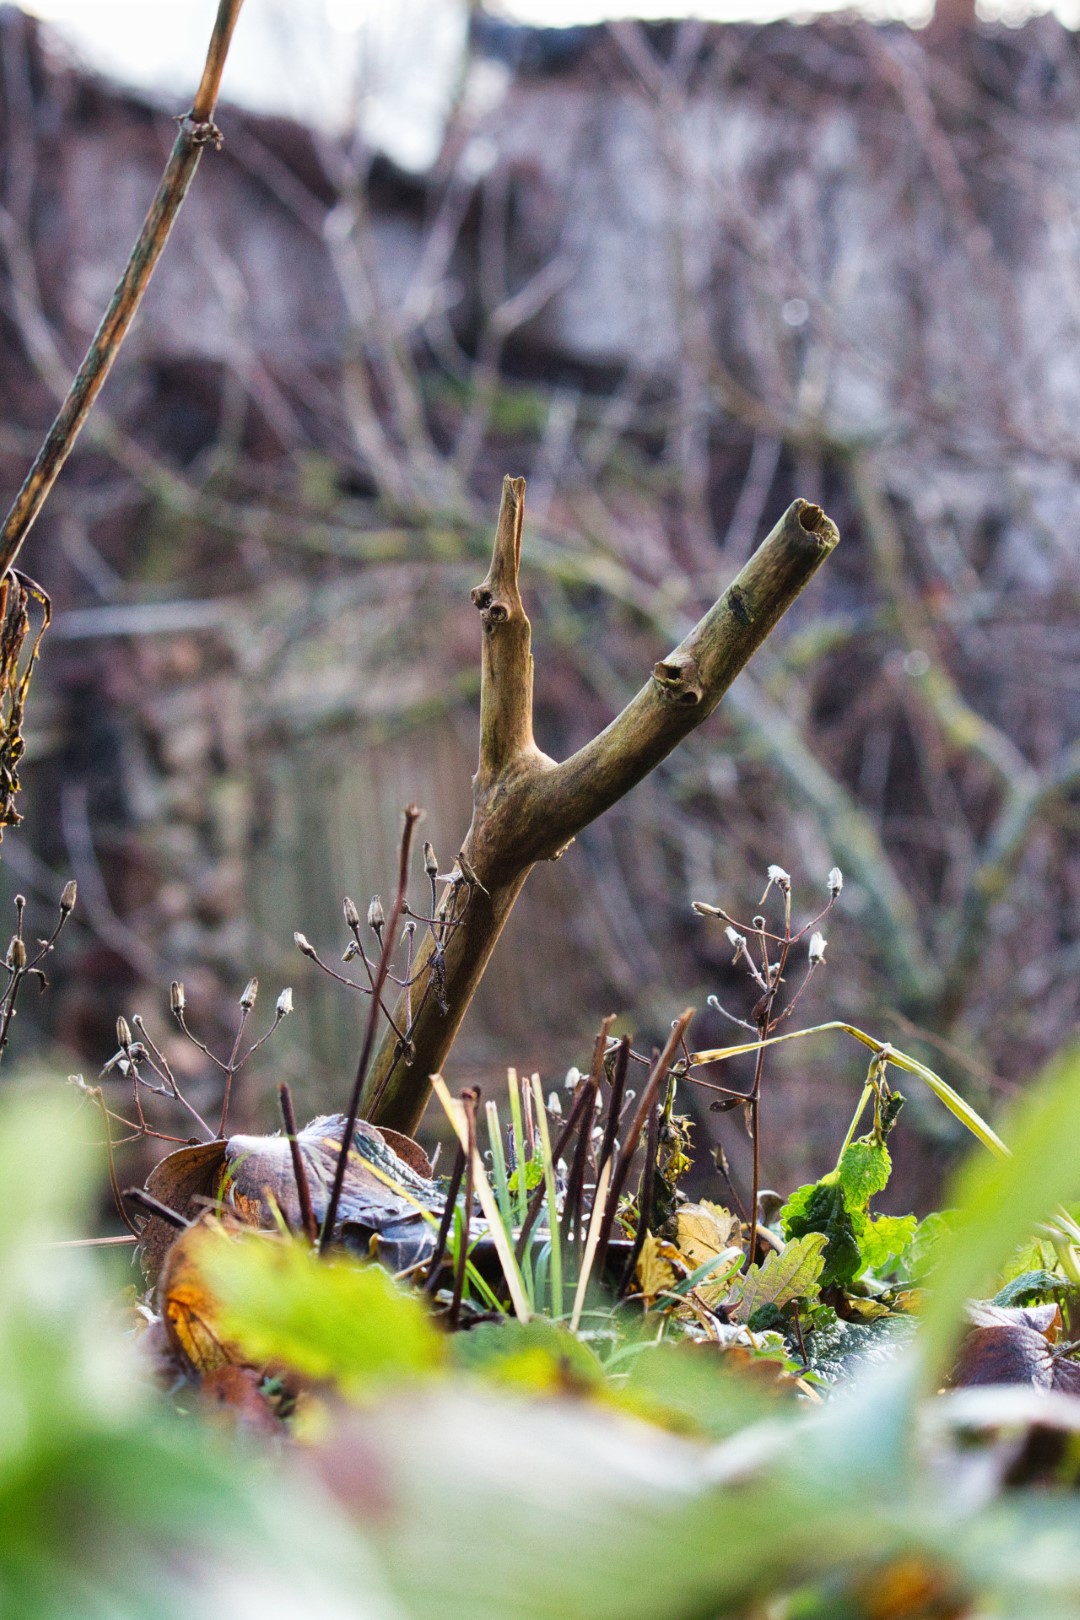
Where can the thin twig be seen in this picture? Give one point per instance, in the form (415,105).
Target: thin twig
(453,1188)
(197,129)
(303,1189)
(412,816)
(469,1098)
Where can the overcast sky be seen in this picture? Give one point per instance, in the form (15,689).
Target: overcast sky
(303,56)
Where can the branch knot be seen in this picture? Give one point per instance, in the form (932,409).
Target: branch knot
(679,679)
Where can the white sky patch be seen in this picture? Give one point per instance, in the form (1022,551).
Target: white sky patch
(392,63)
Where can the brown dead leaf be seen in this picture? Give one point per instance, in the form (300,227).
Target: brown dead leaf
(1010,1354)
(188,1181)
(188,1310)
(380,1187)
(388,1178)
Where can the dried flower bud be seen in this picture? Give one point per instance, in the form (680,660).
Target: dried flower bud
(781,878)
(123,1033)
(431,865)
(69,896)
(817,949)
(16,954)
(284,1003)
(736,940)
(177,999)
(352,916)
(251,990)
(304,945)
(705,910)
(376,916)
(836,881)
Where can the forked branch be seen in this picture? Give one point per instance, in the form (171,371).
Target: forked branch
(527,808)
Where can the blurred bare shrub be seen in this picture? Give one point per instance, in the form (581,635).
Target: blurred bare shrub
(677,276)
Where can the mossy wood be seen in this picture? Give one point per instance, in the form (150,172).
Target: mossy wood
(528,808)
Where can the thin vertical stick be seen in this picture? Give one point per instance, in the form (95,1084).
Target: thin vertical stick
(618,1086)
(469,1099)
(499,1236)
(308,1223)
(452,1190)
(196,131)
(596,1221)
(99,1097)
(412,816)
(553,1212)
(645,1198)
(657,1075)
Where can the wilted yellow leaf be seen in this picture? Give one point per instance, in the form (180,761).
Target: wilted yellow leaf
(655,1271)
(704,1231)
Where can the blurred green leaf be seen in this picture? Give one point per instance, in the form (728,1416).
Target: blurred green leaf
(326,1318)
(1000,1201)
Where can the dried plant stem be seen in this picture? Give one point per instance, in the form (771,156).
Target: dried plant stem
(621,1165)
(196,131)
(303,1188)
(469,1098)
(412,816)
(527,808)
(439,1250)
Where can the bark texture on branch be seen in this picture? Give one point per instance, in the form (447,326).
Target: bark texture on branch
(527,808)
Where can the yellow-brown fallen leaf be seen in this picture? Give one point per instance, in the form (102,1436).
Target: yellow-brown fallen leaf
(706,1230)
(656,1271)
(188,1309)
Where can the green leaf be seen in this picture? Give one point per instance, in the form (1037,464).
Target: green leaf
(1028,1287)
(689,1388)
(864,1170)
(927,1246)
(327,1319)
(538,1356)
(534,1174)
(792,1274)
(820,1207)
(1002,1200)
(882,1238)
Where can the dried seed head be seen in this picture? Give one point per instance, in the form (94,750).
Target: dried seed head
(572,1077)
(431,865)
(177,999)
(836,881)
(251,990)
(736,940)
(123,1033)
(352,916)
(16,954)
(304,946)
(69,896)
(20,902)
(554,1105)
(376,916)
(817,949)
(284,1003)
(781,878)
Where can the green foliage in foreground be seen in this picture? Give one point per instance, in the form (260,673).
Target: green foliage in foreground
(519,1470)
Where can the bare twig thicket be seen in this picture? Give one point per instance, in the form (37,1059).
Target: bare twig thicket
(946,801)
